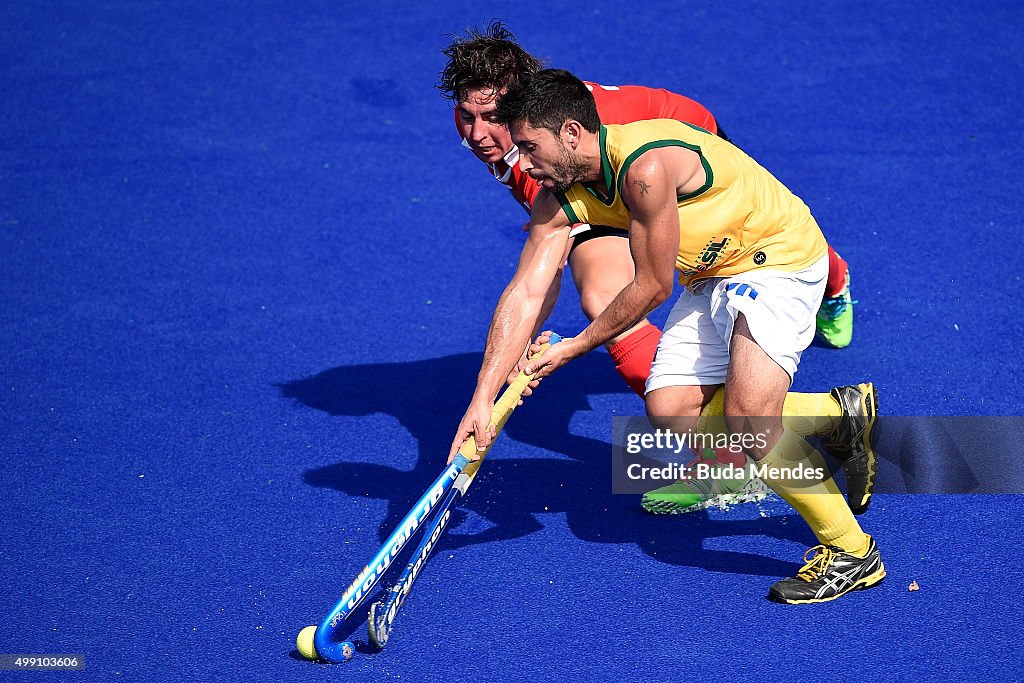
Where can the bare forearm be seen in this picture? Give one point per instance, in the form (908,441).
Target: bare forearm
(628,308)
(549,305)
(514,319)
(525,300)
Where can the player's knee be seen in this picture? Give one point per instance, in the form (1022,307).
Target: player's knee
(671,407)
(594,301)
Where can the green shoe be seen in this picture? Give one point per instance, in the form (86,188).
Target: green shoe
(733,486)
(834,321)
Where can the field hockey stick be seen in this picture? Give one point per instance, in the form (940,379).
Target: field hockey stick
(324,642)
(383,612)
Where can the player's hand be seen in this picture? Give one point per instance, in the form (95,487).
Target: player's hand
(512,376)
(476,423)
(554,357)
(542,339)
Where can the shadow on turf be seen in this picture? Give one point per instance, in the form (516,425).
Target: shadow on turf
(511,492)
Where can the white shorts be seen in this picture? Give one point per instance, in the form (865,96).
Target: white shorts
(779,307)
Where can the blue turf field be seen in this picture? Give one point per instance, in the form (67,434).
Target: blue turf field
(246,276)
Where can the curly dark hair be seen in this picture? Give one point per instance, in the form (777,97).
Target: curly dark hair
(489,59)
(546,100)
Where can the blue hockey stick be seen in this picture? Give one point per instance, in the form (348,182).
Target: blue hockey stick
(451,481)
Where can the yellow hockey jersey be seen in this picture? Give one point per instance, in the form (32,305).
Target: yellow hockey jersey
(742,219)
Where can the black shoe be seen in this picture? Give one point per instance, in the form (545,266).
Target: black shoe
(829,573)
(850,442)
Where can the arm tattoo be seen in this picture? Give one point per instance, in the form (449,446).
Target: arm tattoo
(643,187)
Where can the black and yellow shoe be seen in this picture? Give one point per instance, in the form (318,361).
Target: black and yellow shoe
(850,442)
(829,573)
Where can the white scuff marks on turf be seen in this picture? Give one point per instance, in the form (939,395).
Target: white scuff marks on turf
(772,506)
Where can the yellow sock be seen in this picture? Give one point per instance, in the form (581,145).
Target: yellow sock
(805,414)
(716,406)
(712,420)
(712,423)
(811,414)
(817,499)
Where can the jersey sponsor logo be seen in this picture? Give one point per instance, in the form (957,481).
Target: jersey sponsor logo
(760,258)
(709,256)
(712,250)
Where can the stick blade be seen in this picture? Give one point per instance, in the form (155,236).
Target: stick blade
(376,626)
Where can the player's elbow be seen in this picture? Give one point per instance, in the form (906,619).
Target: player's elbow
(659,297)
(663,292)
(658,290)
(654,293)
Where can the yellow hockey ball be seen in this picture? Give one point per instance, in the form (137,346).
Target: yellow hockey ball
(304,643)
